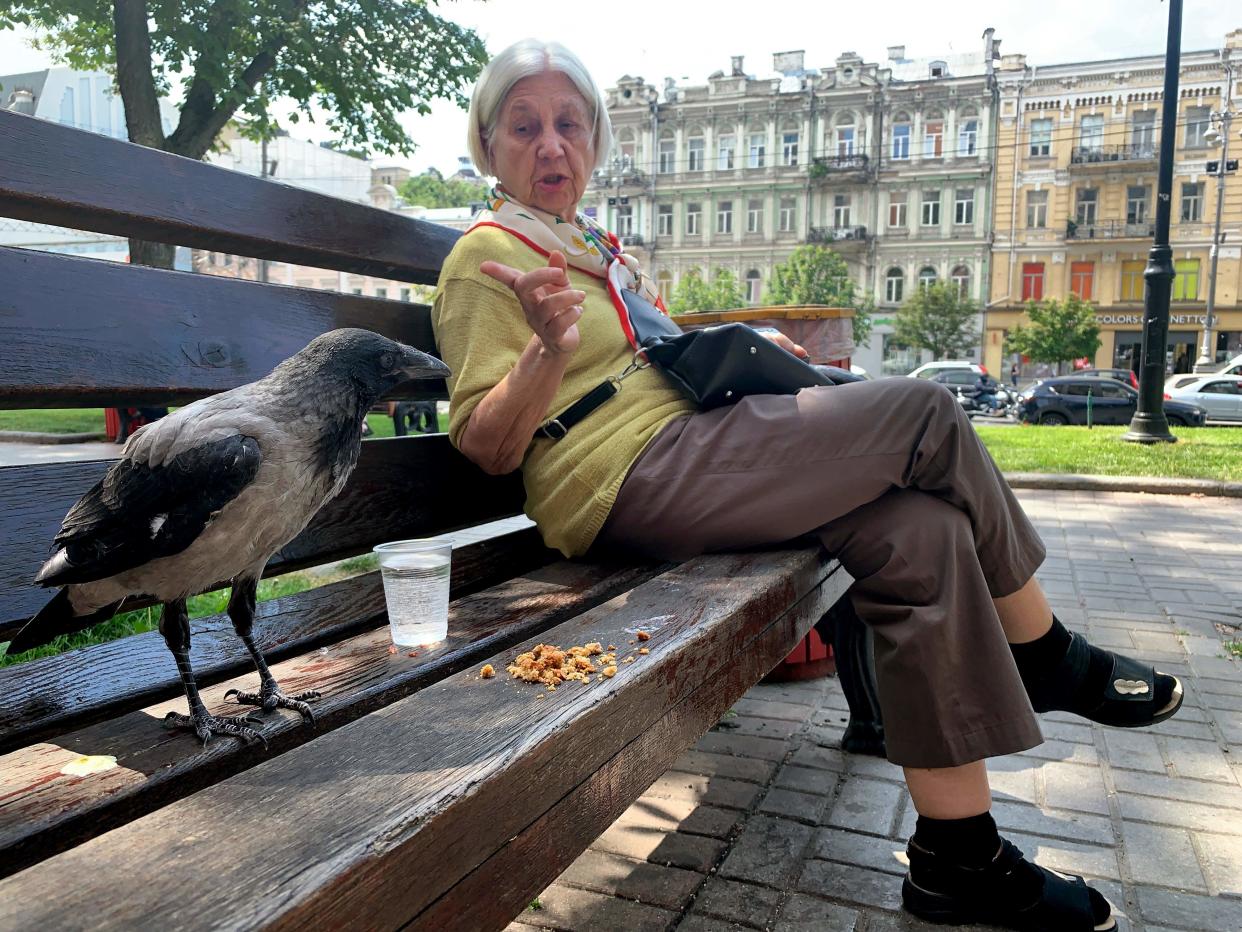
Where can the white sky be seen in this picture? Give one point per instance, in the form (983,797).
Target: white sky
(688,41)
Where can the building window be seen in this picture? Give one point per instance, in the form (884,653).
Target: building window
(664,284)
(754,286)
(664,220)
(927,277)
(897,209)
(894,285)
(725,146)
(938,69)
(789,148)
(1132,279)
(789,214)
(625,220)
(1198,119)
(1192,201)
(668,155)
(931,208)
(1084,206)
(1136,203)
(1091,132)
(1186,280)
(405,294)
(1041,138)
(1032,281)
(960,276)
(845,140)
(357,291)
(754,216)
(1082,279)
(964,206)
(901,139)
(1036,209)
(968,137)
(758,150)
(696,154)
(381,292)
(693,213)
(933,138)
(724,217)
(841,210)
(1143,132)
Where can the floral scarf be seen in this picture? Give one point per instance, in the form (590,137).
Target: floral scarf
(587,246)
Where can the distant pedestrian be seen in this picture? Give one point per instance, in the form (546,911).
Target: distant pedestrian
(1013,375)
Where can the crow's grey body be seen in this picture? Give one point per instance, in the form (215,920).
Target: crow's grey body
(209,493)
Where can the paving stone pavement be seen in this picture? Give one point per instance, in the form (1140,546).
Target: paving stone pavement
(767,825)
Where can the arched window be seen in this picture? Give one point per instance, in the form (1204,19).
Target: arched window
(927,277)
(664,283)
(933,135)
(960,276)
(756,147)
(626,155)
(894,285)
(967,132)
(754,286)
(790,134)
(667,156)
(901,136)
(696,150)
(844,134)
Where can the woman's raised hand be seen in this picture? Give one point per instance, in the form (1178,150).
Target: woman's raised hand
(551,306)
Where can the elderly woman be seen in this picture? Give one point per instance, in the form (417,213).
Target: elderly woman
(889,475)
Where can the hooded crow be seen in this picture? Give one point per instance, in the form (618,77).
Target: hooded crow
(209,493)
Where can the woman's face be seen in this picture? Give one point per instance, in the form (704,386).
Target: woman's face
(544,148)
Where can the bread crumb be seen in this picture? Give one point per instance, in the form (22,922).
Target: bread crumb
(629,659)
(644,636)
(610,672)
(612,646)
(392,648)
(488,671)
(644,650)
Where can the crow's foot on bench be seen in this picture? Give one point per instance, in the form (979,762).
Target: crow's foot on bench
(269,698)
(205,725)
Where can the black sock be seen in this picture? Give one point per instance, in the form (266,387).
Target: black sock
(1036,658)
(972,842)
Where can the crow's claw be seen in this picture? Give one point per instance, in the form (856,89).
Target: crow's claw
(205,726)
(271,698)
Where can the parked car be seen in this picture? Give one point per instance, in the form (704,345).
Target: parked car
(1232,367)
(1063,400)
(1127,376)
(1220,396)
(931,369)
(1184,378)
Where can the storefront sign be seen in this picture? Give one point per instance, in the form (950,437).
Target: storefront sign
(1196,319)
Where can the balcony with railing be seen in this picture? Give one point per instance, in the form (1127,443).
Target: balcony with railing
(837,236)
(1110,229)
(837,166)
(1093,157)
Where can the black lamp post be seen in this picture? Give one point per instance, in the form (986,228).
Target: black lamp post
(1149,424)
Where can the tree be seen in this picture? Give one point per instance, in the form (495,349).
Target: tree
(939,318)
(722,293)
(363,61)
(1059,330)
(815,274)
(431,190)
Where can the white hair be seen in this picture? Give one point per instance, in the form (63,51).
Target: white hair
(521,60)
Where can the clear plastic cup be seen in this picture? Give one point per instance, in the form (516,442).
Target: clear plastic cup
(416,589)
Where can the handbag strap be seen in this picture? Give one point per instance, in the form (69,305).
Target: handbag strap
(557,427)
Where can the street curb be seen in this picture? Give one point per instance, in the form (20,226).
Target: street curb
(30,436)
(1069,482)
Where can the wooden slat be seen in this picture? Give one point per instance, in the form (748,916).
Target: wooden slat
(59,175)
(403,487)
(43,811)
(48,696)
(83,332)
(331,834)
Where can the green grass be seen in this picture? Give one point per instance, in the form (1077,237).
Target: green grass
(1234,648)
(55,420)
(1200,452)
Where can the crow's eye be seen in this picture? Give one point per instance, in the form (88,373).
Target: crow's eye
(387,360)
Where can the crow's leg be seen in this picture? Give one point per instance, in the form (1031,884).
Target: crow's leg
(269,696)
(175,626)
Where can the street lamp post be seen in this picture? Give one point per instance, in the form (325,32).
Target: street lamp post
(1207,355)
(1149,424)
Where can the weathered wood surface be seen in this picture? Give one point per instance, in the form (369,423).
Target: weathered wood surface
(83,332)
(43,697)
(403,487)
(60,175)
(425,787)
(43,811)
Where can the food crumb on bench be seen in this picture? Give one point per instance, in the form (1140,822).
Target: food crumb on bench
(629,659)
(392,648)
(488,671)
(644,650)
(644,636)
(610,672)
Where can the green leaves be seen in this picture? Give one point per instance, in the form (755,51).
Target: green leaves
(431,190)
(1059,331)
(815,274)
(722,293)
(937,318)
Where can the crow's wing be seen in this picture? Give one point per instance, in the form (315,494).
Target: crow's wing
(139,512)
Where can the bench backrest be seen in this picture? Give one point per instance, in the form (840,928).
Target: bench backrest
(79,332)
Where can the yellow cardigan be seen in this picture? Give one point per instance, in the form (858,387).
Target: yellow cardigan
(571,484)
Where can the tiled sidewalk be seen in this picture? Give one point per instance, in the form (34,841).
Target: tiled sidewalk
(767,825)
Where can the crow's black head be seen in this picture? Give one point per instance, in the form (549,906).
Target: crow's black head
(372,363)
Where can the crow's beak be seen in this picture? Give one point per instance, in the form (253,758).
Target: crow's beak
(419,365)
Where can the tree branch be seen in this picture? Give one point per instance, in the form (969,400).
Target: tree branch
(133,73)
(202,119)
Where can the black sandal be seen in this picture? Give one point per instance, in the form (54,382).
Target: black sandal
(1132,694)
(965,895)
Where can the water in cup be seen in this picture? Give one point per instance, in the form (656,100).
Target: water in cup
(416,589)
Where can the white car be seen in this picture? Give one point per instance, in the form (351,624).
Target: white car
(1219,395)
(930,370)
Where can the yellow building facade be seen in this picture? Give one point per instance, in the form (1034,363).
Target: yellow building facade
(1076,163)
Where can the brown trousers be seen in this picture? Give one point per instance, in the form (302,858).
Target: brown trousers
(892,478)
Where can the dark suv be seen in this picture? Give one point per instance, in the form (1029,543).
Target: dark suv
(1121,375)
(1063,400)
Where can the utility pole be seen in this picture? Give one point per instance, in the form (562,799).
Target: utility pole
(1207,354)
(1149,424)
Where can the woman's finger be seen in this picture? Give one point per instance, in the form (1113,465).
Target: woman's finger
(502,273)
(551,305)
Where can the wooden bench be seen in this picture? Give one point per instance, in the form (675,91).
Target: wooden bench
(427,796)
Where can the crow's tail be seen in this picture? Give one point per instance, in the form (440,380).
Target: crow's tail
(55,618)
